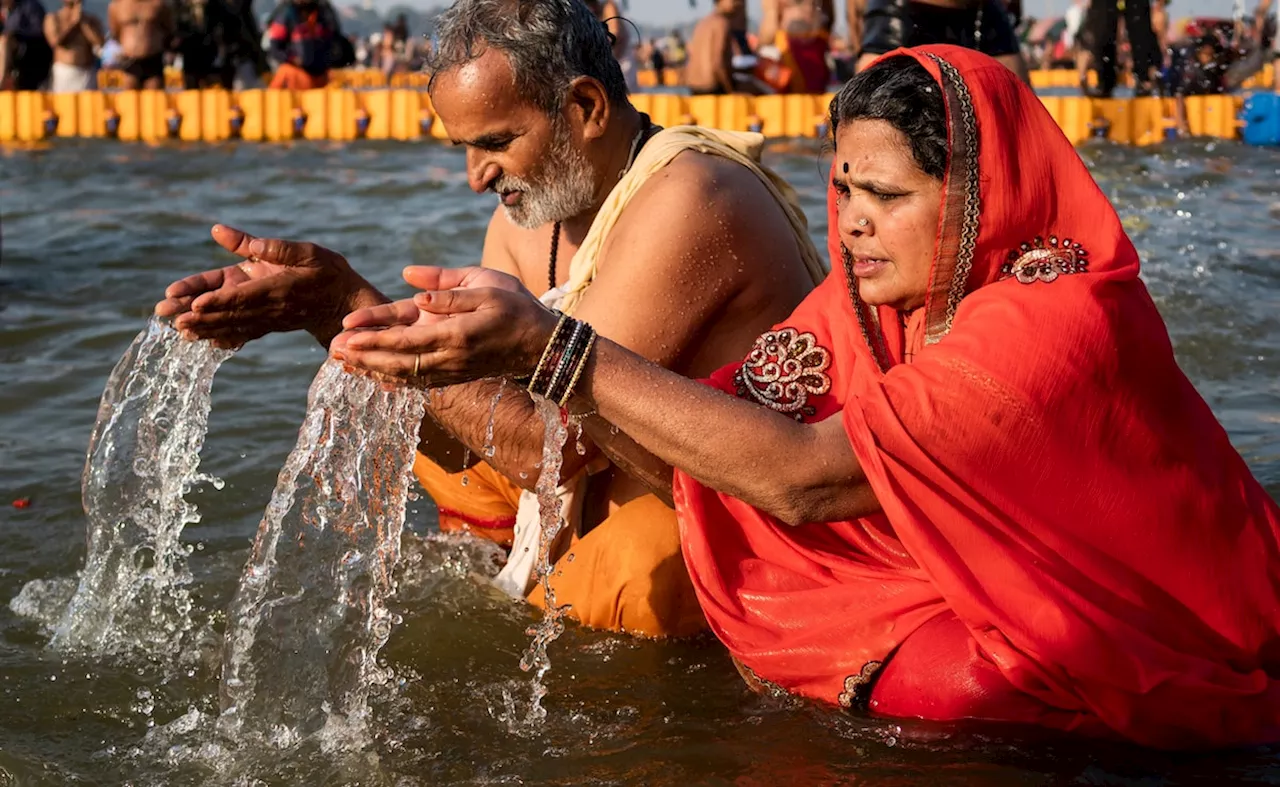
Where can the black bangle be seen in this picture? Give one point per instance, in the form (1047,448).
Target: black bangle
(582,365)
(550,355)
(563,361)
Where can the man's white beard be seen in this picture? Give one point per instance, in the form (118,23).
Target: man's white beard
(564,187)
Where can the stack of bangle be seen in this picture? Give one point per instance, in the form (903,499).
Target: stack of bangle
(563,360)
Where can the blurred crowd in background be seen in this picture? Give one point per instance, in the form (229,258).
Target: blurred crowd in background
(795,46)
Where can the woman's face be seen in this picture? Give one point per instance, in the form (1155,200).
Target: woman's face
(888,213)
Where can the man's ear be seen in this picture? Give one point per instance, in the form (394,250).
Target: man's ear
(588,108)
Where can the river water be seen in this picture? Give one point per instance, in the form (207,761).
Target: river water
(93,232)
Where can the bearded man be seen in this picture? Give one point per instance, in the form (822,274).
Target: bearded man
(674,243)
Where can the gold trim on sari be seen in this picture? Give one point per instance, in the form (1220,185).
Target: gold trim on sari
(958,229)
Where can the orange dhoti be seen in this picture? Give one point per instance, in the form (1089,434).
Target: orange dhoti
(626,574)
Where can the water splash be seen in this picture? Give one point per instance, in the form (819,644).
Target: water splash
(142,461)
(489,449)
(310,615)
(552,624)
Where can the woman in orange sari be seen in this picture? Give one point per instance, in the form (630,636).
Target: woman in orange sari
(966,479)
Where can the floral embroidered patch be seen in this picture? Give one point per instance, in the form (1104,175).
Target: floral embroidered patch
(783,370)
(1045,260)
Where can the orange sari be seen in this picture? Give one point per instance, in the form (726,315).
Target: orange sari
(1068,537)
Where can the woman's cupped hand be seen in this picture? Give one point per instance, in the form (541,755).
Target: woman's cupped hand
(466,324)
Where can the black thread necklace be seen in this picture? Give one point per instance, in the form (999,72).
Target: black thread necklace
(640,138)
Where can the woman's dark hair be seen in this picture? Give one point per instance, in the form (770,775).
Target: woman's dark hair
(902,93)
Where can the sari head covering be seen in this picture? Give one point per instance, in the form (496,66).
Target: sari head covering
(1049,479)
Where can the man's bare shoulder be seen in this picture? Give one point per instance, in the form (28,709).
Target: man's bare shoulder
(704,215)
(702,260)
(696,187)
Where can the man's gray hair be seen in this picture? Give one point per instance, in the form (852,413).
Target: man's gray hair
(549,43)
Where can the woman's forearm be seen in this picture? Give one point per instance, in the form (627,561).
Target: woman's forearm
(794,471)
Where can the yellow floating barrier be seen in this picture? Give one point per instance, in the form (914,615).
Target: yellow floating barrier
(1263,80)
(671,77)
(215,115)
(1069,78)
(406,114)
(370,79)
(1045,78)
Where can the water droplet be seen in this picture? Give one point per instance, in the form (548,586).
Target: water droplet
(493,410)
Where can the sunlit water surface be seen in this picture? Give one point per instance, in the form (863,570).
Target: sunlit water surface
(92,233)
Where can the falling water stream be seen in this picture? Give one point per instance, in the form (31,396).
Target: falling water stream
(551,625)
(143,460)
(310,615)
(300,653)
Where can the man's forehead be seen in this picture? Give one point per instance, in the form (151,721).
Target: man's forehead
(480,97)
(488,76)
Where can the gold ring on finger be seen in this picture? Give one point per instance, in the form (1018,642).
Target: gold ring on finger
(417,363)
